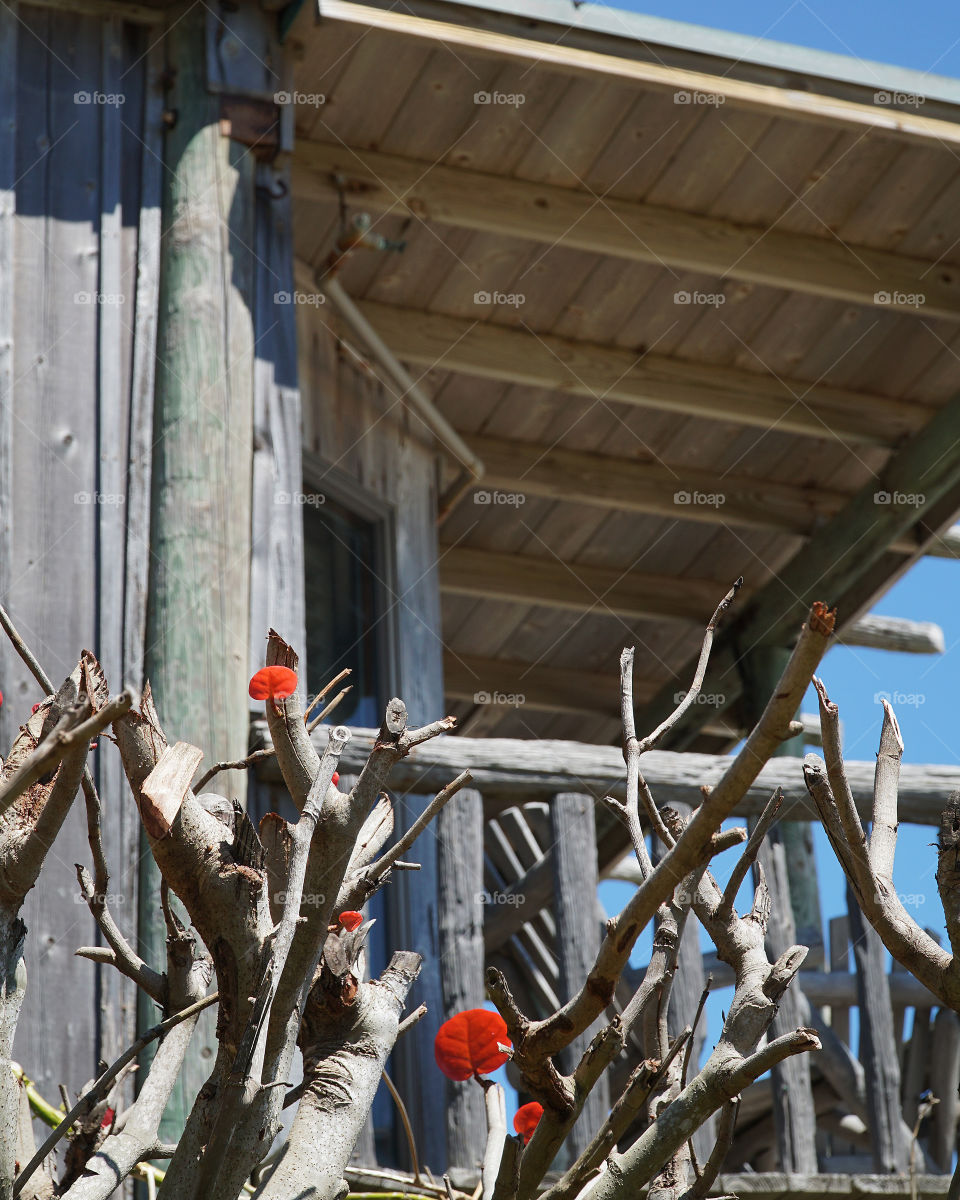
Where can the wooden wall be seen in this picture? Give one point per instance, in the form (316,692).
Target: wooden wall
(80,135)
(356,425)
(81,162)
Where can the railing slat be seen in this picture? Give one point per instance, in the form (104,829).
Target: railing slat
(878,1050)
(460,921)
(578,935)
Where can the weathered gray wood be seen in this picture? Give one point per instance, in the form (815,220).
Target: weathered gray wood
(461,959)
(895,633)
(688,983)
(116,993)
(143,370)
(944,1081)
(878,1051)
(413,908)
(276,567)
(840,962)
(55,334)
(839,1013)
(9,29)
(916,1064)
(578,937)
(198,608)
(834,988)
(793,1110)
(508,771)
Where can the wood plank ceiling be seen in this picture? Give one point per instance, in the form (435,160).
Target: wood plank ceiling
(688,301)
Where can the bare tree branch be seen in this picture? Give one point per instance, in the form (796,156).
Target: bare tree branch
(102,1084)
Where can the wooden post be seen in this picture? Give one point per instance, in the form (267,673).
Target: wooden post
(878,1050)
(688,984)
(198,607)
(944,1076)
(787,860)
(578,936)
(793,1109)
(460,894)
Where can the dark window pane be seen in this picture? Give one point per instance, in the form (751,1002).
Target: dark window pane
(343,606)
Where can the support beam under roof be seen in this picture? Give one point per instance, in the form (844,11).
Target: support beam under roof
(559,216)
(846,564)
(681,493)
(656,381)
(635,595)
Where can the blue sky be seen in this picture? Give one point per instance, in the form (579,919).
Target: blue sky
(923,35)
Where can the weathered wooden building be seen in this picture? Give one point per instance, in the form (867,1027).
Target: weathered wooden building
(463,345)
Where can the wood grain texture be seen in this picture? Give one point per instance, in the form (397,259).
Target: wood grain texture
(276,583)
(574,838)
(507,771)
(643,233)
(198,607)
(878,1048)
(461,959)
(651,381)
(793,1110)
(54,471)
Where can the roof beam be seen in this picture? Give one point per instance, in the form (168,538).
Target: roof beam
(634,595)
(526,685)
(626,229)
(530,469)
(557,54)
(845,564)
(649,381)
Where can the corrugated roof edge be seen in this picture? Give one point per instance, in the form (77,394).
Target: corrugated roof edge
(599,27)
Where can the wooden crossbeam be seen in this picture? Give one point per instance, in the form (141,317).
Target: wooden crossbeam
(845,565)
(635,595)
(519,469)
(520,685)
(509,771)
(476,347)
(558,216)
(515,470)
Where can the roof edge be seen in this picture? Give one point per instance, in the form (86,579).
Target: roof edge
(717,52)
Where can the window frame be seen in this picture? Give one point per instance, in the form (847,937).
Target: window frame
(328,479)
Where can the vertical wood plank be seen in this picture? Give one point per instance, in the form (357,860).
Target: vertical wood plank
(143,371)
(840,961)
(9,28)
(54,477)
(460,893)
(276,566)
(794,900)
(574,835)
(412,903)
(9,1006)
(116,995)
(840,1014)
(944,1081)
(688,984)
(793,1110)
(878,1051)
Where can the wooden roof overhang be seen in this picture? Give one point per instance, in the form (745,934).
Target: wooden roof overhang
(725,275)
